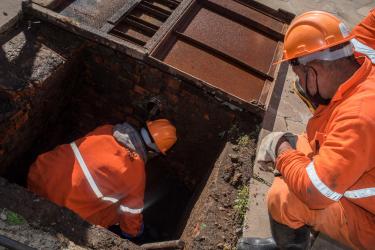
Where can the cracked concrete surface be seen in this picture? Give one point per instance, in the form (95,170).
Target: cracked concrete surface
(289,113)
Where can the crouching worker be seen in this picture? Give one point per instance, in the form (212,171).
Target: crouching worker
(328,175)
(101,176)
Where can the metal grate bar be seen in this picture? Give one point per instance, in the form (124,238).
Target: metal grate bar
(224,56)
(169,3)
(122,35)
(154,12)
(139,20)
(146,29)
(157,8)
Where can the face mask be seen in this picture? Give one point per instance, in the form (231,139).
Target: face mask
(312,101)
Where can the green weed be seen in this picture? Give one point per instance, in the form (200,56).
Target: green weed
(240,203)
(14,218)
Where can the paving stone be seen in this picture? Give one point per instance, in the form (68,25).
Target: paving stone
(10,12)
(256,220)
(346,9)
(365,10)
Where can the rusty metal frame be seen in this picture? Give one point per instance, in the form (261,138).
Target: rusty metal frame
(261,104)
(171,27)
(84,30)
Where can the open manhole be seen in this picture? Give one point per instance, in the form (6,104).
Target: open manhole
(101,88)
(191,193)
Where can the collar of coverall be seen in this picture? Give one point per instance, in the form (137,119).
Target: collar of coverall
(129,137)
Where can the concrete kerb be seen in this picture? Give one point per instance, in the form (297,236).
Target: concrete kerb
(10,14)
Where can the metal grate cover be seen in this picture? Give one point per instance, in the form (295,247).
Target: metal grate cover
(142,22)
(228,45)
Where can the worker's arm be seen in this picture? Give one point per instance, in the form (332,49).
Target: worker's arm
(131,218)
(343,157)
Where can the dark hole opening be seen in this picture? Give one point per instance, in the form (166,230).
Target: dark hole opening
(93,92)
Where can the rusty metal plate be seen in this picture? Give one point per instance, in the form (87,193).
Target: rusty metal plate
(232,38)
(214,70)
(142,22)
(228,45)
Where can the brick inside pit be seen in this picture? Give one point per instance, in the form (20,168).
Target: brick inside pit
(65,87)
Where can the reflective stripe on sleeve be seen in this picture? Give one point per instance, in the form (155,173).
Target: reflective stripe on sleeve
(125,209)
(322,188)
(360,193)
(88,175)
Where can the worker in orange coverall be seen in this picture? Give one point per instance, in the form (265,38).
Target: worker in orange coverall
(101,176)
(327,175)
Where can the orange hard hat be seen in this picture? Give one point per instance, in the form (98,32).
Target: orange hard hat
(163,133)
(313,31)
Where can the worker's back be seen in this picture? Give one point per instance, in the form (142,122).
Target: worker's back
(117,173)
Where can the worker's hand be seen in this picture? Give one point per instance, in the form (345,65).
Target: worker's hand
(269,147)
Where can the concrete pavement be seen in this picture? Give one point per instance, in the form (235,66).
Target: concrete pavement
(10,13)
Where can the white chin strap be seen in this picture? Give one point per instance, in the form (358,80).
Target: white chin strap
(148,141)
(327,55)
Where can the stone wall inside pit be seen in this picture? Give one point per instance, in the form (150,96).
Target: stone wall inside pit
(35,62)
(118,87)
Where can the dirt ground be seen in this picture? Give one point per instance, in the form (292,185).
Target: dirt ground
(16,228)
(216,220)
(34,221)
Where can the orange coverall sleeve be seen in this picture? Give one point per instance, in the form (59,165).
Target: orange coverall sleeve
(343,157)
(131,218)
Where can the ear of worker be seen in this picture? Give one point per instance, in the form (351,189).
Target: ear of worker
(267,150)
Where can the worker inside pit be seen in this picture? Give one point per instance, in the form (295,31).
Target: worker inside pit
(101,176)
(326,176)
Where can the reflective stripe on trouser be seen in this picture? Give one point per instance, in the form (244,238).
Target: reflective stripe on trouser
(287,209)
(330,194)
(93,185)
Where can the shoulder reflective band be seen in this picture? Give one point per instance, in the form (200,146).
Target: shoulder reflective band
(322,188)
(88,175)
(85,170)
(93,185)
(364,49)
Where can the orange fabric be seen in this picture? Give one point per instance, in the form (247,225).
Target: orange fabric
(118,173)
(342,138)
(365,30)
(286,208)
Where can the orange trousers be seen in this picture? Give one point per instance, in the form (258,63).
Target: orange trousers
(287,209)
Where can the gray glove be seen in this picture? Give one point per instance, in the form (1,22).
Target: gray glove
(267,150)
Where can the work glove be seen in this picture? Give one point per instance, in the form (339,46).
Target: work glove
(267,150)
